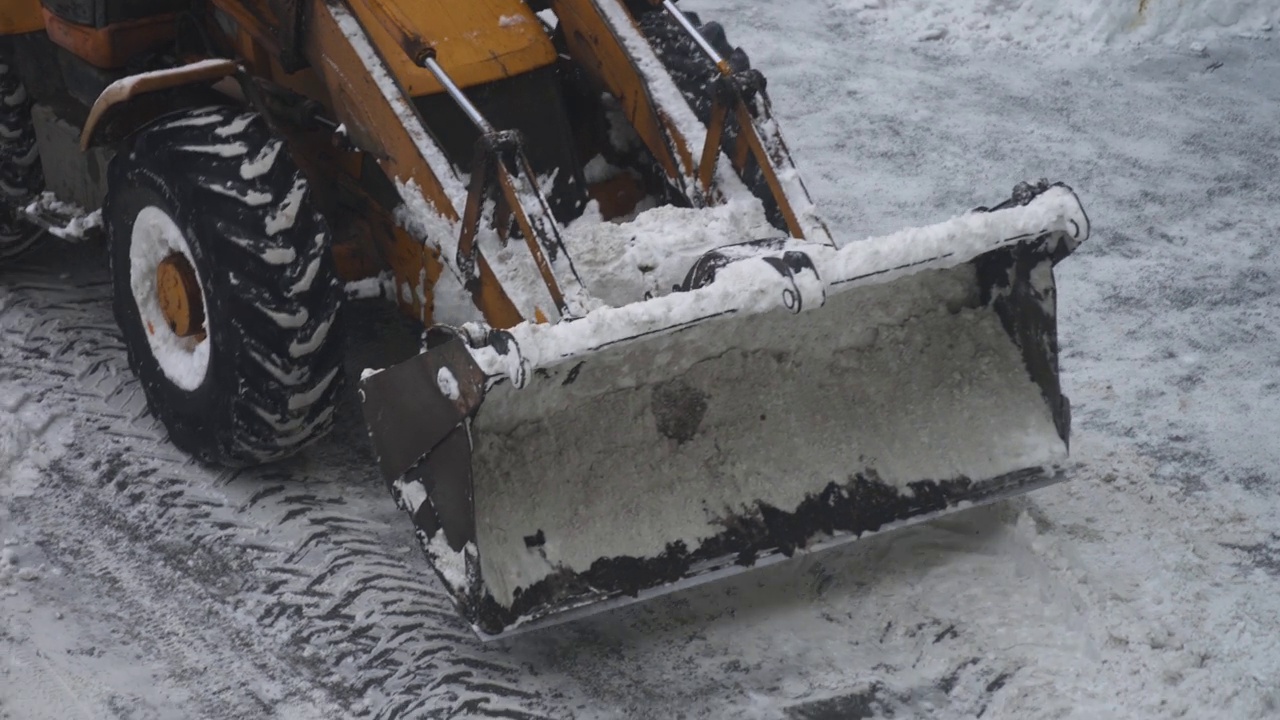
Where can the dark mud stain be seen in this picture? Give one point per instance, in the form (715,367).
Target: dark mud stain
(679,408)
(537,539)
(864,504)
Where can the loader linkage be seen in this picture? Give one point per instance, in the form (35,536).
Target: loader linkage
(647,361)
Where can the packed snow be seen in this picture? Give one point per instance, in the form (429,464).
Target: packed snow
(750,285)
(226,150)
(1083,26)
(141,585)
(305,346)
(77,223)
(286,214)
(651,254)
(447,383)
(451,566)
(31,437)
(261,163)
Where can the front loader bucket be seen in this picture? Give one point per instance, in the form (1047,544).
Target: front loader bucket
(791,397)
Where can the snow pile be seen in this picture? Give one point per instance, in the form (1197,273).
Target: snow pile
(9,566)
(1202,645)
(623,262)
(78,223)
(30,438)
(1081,25)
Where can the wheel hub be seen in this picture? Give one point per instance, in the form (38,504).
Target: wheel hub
(178,291)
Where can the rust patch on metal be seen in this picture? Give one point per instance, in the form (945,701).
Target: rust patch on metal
(178,291)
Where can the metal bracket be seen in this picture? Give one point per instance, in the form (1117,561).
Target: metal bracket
(501,170)
(730,92)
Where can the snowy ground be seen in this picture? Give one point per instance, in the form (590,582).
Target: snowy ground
(136,585)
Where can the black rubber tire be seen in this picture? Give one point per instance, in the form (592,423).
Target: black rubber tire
(21,175)
(262,255)
(693,73)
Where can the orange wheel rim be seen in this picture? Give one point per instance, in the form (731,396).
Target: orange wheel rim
(178,291)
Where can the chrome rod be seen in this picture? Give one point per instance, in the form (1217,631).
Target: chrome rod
(680,17)
(473,113)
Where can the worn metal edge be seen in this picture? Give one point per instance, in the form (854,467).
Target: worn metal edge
(1017,483)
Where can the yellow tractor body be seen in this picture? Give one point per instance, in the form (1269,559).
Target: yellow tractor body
(647,360)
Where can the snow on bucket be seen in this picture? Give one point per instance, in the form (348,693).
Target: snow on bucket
(561,477)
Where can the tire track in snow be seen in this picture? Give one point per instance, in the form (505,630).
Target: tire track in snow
(307,564)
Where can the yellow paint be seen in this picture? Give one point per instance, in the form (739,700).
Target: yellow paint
(252,37)
(373,124)
(371,120)
(20,16)
(476,42)
(413,265)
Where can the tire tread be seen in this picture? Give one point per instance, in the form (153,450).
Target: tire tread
(283,400)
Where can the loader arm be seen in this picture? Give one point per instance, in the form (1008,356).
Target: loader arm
(373,57)
(605,39)
(355,61)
